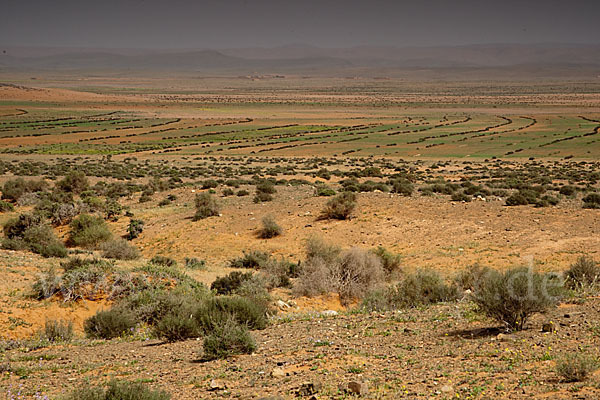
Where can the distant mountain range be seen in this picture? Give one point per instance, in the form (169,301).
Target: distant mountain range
(303,59)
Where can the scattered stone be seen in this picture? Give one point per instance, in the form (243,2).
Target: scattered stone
(278,373)
(501,337)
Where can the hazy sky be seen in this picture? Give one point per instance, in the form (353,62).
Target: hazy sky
(325,23)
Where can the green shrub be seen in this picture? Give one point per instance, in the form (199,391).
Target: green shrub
(317,248)
(227,192)
(262,197)
(230,283)
(592,200)
(423,287)
(179,324)
(252,260)
(118,390)
(461,196)
(339,207)
(226,339)
(88,231)
(164,261)
(135,229)
(194,263)
(242,193)
(576,367)
(30,231)
(513,296)
(584,273)
(15,188)
(269,229)
(517,199)
(391,262)
(119,249)
(324,191)
(5,206)
(74,182)
(206,206)
(58,331)
(402,186)
(471,277)
(246,312)
(109,324)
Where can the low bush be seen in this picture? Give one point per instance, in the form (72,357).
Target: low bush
(228,338)
(471,277)
(423,287)
(339,207)
(270,228)
(163,261)
(15,188)
(324,191)
(261,197)
(576,367)
(74,182)
(230,283)
(352,273)
(119,249)
(109,324)
(245,311)
(178,324)
(135,229)
(513,296)
(242,193)
(391,262)
(5,206)
(402,186)
(253,260)
(206,206)
(118,390)
(582,274)
(88,231)
(58,331)
(194,263)
(592,200)
(31,232)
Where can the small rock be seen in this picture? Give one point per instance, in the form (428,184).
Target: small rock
(447,389)
(216,385)
(282,304)
(549,327)
(329,313)
(309,389)
(359,388)
(278,373)
(501,337)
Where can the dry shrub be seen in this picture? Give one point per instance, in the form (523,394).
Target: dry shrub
(119,249)
(576,367)
(351,273)
(340,207)
(513,296)
(584,273)
(206,206)
(270,228)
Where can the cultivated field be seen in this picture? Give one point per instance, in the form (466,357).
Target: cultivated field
(348,229)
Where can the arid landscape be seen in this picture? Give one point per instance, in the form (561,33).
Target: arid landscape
(444,182)
(318,200)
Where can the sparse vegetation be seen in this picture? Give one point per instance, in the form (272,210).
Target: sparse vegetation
(270,228)
(206,206)
(340,207)
(89,231)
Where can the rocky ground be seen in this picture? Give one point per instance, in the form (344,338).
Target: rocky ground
(444,351)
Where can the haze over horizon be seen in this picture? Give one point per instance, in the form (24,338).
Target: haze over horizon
(212,24)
